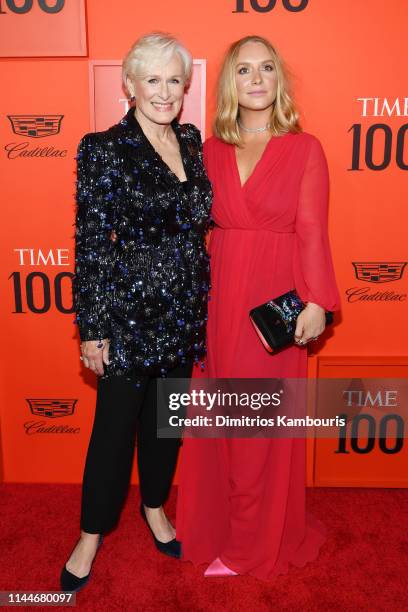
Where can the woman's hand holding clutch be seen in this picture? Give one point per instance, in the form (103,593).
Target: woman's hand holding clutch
(95,353)
(310,323)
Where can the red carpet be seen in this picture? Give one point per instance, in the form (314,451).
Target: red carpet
(362,567)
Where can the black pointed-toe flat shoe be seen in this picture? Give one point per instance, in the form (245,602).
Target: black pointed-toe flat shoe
(172,548)
(70,582)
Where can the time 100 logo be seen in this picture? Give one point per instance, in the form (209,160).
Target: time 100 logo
(294,6)
(35,293)
(387,140)
(48,6)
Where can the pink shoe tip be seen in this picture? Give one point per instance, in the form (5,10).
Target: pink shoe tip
(217,568)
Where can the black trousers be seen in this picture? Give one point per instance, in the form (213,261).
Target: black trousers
(123,410)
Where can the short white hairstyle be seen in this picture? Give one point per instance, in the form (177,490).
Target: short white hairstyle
(157,46)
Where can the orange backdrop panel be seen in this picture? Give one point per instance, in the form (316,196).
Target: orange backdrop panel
(30,28)
(343,462)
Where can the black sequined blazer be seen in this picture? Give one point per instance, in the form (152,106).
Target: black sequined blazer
(147,290)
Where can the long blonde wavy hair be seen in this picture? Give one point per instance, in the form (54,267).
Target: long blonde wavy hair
(284,117)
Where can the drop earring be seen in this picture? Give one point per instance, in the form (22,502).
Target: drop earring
(132,98)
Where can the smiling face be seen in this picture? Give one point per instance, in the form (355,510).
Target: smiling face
(255,77)
(159,94)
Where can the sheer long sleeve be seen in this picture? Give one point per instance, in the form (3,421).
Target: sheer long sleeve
(92,241)
(314,275)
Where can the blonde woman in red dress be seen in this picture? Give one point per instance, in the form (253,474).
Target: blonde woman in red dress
(241,503)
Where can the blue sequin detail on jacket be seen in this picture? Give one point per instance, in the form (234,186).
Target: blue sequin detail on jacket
(148,290)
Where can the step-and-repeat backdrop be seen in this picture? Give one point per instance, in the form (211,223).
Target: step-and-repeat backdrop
(60,75)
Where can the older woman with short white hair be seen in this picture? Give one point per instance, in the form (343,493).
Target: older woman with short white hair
(140,289)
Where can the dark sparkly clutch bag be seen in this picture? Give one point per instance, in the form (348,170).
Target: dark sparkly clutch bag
(275,321)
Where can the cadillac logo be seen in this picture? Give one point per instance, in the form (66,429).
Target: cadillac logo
(379,271)
(36,126)
(52,408)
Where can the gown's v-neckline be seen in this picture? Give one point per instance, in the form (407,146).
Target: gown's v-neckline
(255,168)
(258,163)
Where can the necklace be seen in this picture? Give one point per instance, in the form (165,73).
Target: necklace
(253,130)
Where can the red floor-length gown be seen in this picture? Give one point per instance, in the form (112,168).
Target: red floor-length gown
(244,499)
